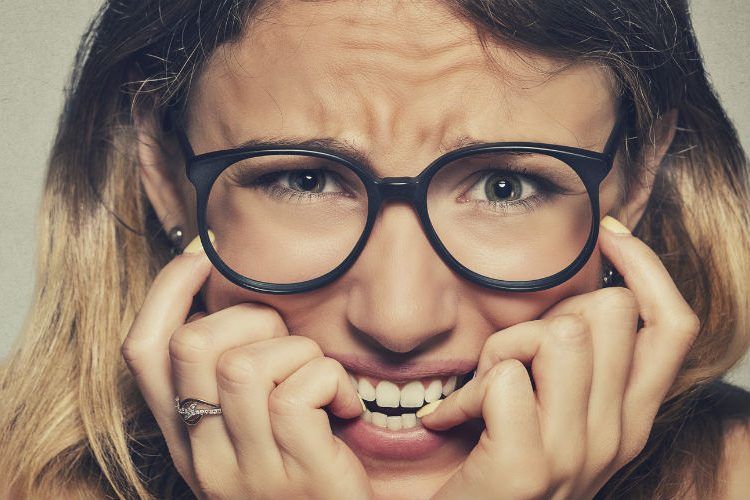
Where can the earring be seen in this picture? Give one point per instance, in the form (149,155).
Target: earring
(176,235)
(611,276)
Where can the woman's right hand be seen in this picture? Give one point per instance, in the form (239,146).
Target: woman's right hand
(274,438)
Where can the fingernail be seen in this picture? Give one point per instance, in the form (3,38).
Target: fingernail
(364,408)
(196,246)
(428,408)
(614,225)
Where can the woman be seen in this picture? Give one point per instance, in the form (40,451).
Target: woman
(325,339)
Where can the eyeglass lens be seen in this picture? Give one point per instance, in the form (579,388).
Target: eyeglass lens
(504,215)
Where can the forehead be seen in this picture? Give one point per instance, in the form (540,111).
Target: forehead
(389,76)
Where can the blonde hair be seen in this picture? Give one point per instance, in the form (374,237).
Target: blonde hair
(73,420)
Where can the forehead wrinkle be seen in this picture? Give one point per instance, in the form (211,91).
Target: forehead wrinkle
(346,106)
(376,31)
(373,20)
(381,37)
(401,72)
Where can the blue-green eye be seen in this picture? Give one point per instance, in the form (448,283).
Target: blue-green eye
(502,187)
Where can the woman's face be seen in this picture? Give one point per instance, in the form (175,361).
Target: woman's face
(403,82)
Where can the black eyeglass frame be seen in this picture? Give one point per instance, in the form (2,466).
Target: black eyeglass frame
(590,166)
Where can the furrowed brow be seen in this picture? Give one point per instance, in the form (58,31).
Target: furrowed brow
(346,148)
(328,144)
(458,143)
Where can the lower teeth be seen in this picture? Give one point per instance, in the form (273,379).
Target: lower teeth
(391,422)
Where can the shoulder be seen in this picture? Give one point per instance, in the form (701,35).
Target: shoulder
(732,405)
(735,466)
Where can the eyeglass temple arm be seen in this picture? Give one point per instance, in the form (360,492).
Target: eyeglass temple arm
(174,119)
(616,134)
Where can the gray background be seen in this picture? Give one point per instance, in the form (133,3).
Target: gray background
(39,39)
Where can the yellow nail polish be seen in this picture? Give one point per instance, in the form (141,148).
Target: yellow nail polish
(428,408)
(614,225)
(196,246)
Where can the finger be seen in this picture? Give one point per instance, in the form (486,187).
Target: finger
(612,314)
(470,401)
(145,349)
(300,424)
(670,325)
(559,351)
(512,441)
(196,316)
(520,341)
(246,377)
(644,274)
(195,349)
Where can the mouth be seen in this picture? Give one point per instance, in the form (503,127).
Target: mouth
(389,428)
(394,404)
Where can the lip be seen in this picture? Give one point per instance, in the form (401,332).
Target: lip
(403,445)
(379,443)
(404,371)
(366,439)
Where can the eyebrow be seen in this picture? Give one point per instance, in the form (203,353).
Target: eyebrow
(345,148)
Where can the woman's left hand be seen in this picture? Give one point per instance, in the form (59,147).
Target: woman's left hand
(598,384)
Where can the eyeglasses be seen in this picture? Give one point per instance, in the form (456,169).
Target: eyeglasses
(510,216)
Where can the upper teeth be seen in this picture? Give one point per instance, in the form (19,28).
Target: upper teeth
(414,394)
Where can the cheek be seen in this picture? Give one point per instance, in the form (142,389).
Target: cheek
(298,311)
(219,293)
(506,309)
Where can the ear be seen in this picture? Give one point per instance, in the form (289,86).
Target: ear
(660,138)
(162,171)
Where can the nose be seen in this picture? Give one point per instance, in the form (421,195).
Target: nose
(402,294)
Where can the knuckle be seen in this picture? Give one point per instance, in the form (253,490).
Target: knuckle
(495,348)
(685,327)
(307,344)
(689,323)
(571,465)
(237,367)
(617,297)
(329,365)
(510,368)
(281,403)
(607,445)
(190,343)
(266,318)
(631,447)
(133,351)
(570,328)
(492,342)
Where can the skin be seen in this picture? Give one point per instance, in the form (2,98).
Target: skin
(311,71)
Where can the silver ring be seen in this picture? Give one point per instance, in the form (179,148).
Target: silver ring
(189,411)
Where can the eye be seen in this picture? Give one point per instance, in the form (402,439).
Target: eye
(502,187)
(312,181)
(301,182)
